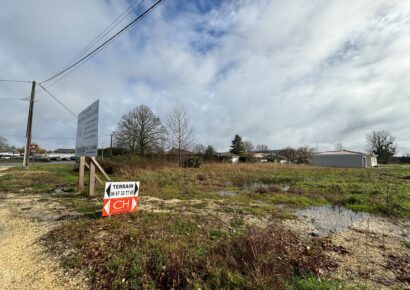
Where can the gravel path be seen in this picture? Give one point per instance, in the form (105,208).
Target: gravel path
(24,263)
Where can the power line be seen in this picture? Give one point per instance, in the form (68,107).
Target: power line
(105,43)
(58,101)
(14,99)
(14,81)
(108,29)
(39,138)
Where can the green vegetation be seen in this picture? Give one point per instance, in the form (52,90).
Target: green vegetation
(164,251)
(200,226)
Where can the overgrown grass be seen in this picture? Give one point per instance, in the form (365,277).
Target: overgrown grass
(384,190)
(167,251)
(207,243)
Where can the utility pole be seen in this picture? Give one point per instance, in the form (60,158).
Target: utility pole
(111,144)
(26,159)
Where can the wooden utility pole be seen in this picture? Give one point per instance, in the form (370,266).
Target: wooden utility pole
(111,144)
(27,149)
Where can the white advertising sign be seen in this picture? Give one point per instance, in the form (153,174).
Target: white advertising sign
(87,131)
(121,189)
(120,197)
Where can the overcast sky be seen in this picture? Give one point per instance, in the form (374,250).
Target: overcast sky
(276,72)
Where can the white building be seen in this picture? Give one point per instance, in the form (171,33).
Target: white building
(344,158)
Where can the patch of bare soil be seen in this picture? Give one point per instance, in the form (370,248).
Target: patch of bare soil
(374,254)
(208,207)
(24,262)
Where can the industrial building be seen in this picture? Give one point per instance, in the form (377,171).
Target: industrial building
(344,158)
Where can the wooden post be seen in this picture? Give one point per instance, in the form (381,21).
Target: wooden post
(27,148)
(91,188)
(80,184)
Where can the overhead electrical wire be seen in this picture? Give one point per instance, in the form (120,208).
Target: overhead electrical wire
(43,138)
(57,100)
(14,81)
(88,47)
(108,29)
(105,43)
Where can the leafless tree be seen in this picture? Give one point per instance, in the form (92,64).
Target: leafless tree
(181,134)
(304,154)
(261,147)
(289,153)
(3,143)
(140,130)
(248,146)
(339,146)
(382,144)
(199,149)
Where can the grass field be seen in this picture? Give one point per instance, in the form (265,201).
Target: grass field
(214,227)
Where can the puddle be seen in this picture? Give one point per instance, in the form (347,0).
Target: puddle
(265,187)
(227,193)
(330,219)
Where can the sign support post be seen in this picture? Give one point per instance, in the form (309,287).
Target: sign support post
(80,184)
(91,186)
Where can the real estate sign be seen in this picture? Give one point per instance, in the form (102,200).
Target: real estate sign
(87,131)
(120,197)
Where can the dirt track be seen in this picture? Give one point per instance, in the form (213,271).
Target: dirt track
(24,264)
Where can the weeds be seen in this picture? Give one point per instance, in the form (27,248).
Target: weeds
(148,253)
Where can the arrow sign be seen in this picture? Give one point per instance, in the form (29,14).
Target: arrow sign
(120,197)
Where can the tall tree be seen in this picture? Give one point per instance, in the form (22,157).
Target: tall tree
(304,154)
(140,130)
(199,149)
(3,143)
(382,144)
(248,147)
(261,147)
(210,150)
(289,153)
(181,134)
(237,146)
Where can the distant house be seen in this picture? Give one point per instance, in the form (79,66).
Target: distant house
(228,157)
(8,153)
(344,158)
(61,154)
(64,151)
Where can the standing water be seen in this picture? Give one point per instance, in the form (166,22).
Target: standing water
(329,219)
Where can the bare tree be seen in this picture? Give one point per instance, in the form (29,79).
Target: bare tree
(261,147)
(248,146)
(382,144)
(339,146)
(3,143)
(140,130)
(289,153)
(199,149)
(304,154)
(181,135)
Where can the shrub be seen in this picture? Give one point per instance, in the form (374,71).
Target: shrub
(193,161)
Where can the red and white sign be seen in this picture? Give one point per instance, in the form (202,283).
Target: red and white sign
(33,146)
(120,197)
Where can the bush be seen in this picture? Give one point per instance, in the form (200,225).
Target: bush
(193,161)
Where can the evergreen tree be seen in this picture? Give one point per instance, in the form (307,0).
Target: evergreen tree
(210,150)
(237,146)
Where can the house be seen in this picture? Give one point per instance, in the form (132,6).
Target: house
(61,154)
(8,153)
(228,157)
(344,158)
